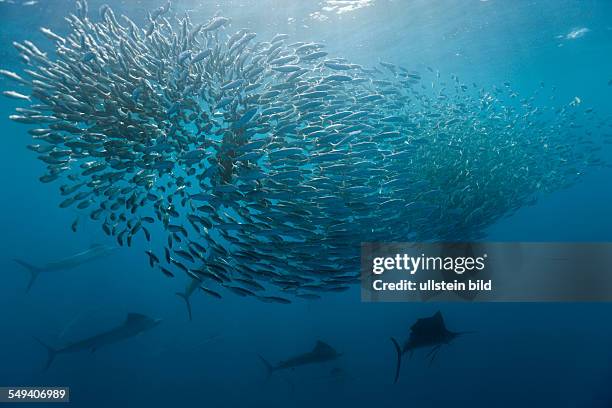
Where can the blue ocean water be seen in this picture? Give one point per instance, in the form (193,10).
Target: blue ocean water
(529,355)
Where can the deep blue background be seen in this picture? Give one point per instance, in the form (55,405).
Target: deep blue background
(529,355)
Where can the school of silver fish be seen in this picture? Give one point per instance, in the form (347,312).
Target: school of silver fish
(265,164)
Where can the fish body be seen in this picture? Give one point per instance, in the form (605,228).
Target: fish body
(93,253)
(321,353)
(134,324)
(429,332)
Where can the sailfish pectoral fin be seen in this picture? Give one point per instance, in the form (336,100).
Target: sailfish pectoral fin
(433,353)
(398,350)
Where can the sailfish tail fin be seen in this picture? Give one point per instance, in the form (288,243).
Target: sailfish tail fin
(187,302)
(51,353)
(398,349)
(269,367)
(34,272)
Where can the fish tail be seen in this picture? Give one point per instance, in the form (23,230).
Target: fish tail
(51,353)
(187,302)
(34,272)
(269,367)
(398,349)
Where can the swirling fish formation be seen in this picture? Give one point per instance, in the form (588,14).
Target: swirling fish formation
(266,164)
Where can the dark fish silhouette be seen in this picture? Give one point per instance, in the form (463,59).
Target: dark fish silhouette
(134,324)
(425,332)
(321,353)
(94,252)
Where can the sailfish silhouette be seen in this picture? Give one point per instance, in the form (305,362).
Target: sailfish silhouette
(425,332)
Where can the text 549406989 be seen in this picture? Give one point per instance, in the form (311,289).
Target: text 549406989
(34,394)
